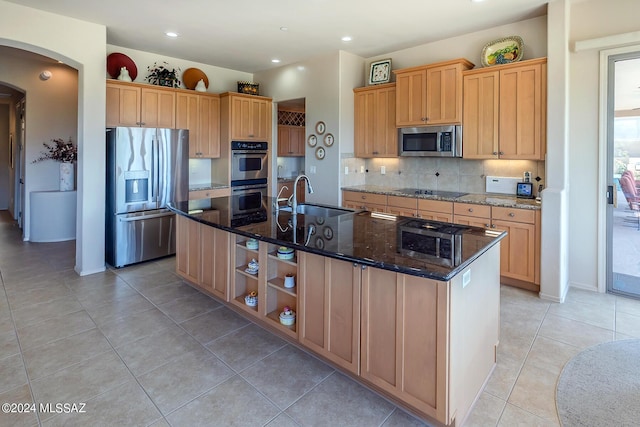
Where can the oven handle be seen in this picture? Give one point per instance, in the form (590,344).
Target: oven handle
(238,152)
(248,187)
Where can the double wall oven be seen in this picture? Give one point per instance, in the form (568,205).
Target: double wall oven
(249,173)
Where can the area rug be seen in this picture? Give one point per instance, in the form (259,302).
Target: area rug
(600,386)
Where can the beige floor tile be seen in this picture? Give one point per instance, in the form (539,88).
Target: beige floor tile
(46,359)
(576,333)
(516,417)
(6,324)
(118,309)
(157,349)
(551,354)
(160,423)
(590,297)
(83,381)
(486,411)
(351,405)
(619,337)
(286,375)
(513,344)
(628,305)
(167,293)
(147,277)
(20,394)
(33,313)
(124,405)
(43,294)
(214,324)
(233,402)
(602,316)
(93,281)
(245,346)
(183,379)
(188,307)
(101,295)
(504,377)
(628,324)
(282,420)
(8,344)
(135,326)
(54,329)
(511,295)
(400,418)
(12,373)
(535,391)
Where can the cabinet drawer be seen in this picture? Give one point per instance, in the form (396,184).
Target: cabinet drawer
(402,202)
(365,198)
(435,206)
(511,214)
(208,194)
(469,209)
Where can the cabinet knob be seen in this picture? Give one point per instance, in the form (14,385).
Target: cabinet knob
(511,214)
(364,267)
(486,225)
(470,209)
(364,197)
(493,226)
(502,153)
(495,153)
(355,264)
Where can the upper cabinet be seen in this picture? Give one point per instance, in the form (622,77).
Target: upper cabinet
(291,141)
(247,117)
(505,111)
(132,104)
(430,94)
(375,133)
(200,113)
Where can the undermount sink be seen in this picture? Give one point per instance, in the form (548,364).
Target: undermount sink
(316,210)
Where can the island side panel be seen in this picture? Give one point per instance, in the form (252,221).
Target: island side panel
(474,331)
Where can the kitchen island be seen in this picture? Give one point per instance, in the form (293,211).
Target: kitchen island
(406,306)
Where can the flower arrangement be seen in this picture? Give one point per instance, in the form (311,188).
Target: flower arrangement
(60,151)
(161,75)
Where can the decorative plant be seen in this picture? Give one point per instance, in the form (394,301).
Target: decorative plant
(60,151)
(162,75)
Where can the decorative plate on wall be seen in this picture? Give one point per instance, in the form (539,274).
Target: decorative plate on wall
(502,51)
(191,76)
(320,127)
(320,153)
(328,140)
(115,61)
(312,141)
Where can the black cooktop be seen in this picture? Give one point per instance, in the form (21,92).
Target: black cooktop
(438,193)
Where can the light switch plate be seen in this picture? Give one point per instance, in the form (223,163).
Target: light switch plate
(346,170)
(383,170)
(312,169)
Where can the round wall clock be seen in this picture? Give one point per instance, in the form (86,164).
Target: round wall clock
(320,153)
(312,141)
(328,140)
(320,127)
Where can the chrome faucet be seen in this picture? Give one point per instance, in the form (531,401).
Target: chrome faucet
(280,199)
(294,204)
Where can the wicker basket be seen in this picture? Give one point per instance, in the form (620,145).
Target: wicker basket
(250,88)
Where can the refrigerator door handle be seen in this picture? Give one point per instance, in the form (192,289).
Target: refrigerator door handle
(154,172)
(143,217)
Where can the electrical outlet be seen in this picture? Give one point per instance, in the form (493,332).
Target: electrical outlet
(346,170)
(383,170)
(466,278)
(312,169)
(361,169)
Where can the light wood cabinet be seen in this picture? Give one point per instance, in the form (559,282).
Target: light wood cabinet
(375,133)
(430,94)
(209,194)
(364,201)
(132,104)
(202,255)
(291,141)
(200,114)
(329,315)
(404,352)
(403,206)
(249,116)
(505,111)
(435,210)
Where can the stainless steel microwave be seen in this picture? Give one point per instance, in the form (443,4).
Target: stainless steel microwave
(430,141)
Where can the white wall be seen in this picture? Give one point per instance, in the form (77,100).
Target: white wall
(81,45)
(4,156)
(588,22)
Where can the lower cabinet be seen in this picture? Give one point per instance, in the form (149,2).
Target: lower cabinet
(329,316)
(366,201)
(404,341)
(202,256)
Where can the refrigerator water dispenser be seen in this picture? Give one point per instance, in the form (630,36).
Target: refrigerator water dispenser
(136,186)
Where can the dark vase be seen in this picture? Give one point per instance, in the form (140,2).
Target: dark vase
(165,82)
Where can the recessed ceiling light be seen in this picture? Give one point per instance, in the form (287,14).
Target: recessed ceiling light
(275,61)
(476,1)
(346,39)
(171,34)
(284,29)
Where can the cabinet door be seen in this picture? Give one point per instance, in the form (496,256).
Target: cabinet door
(188,249)
(187,118)
(472,221)
(329,302)
(444,95)
(158,108)
(290,141)
(284,141)
(410,98)
(480,115)
(240,118)
(522,112)
(215,261)
(297,141)
(260,119)
(385,141)
(403,349)
(364,126)
(435,216)
(123,105)
(209,126)
(517,250)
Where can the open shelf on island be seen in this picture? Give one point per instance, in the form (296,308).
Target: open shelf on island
(290,330)
(278,283)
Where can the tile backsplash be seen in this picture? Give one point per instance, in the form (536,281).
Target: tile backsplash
(436,173)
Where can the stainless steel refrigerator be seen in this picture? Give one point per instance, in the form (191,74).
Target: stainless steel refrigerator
(146,169)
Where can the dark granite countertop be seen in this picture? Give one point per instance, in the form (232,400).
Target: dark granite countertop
(207,186)
(361,237)
(503,200)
